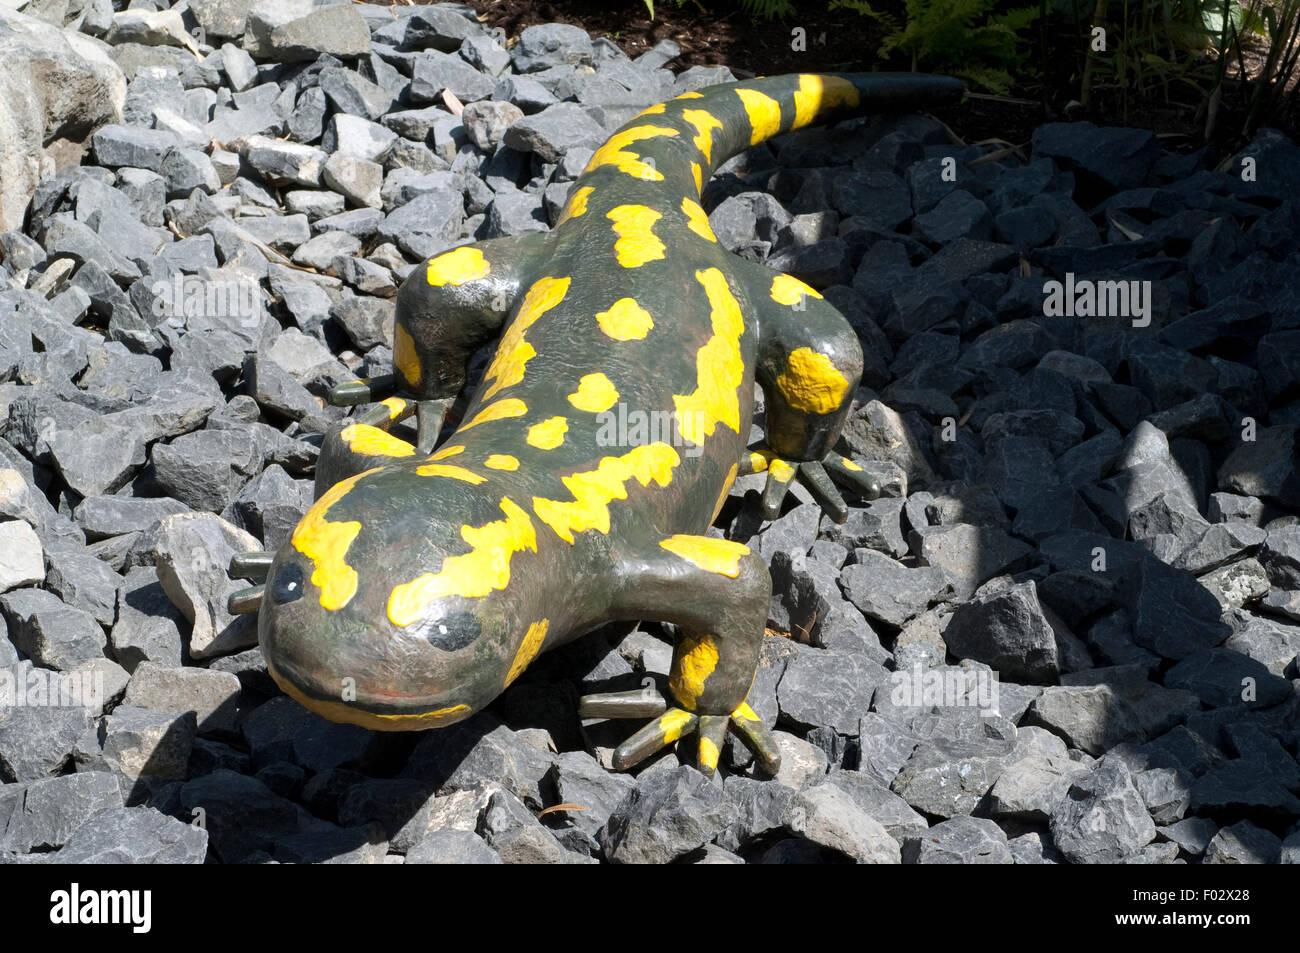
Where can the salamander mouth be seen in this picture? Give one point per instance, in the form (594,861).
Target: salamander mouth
(395,712)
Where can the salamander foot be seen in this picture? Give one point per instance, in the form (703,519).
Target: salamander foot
(672,723)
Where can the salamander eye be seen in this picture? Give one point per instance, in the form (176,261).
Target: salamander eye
(452,632)
(287,586)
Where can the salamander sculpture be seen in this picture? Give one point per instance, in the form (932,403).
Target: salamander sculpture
(420,584)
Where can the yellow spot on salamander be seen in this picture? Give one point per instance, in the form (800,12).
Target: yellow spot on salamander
(848,464)
(396,407)
(498,410)
(501,461)
(720,556)
(764,115)
(654,110)
(458,266)
(745,712)
(576,206)
(811,383)
(405,359)
(781,471)
(451,473)
(593,490)
(595,393)
(625,320)
(697,220)
(528,649)
(637,242)
(704,122)
(376,721)
(821,93)
(698,175)
(373,442)
(694,663)
(484,568)
(514,352)
(549,434)
(614,152)
(448,451)
(689,95)
(789,290)
(719,367)
(708,754)
(726,491)
(326,544)
(758,461)
(673,723)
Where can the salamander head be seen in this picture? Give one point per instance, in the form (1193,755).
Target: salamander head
(374,614)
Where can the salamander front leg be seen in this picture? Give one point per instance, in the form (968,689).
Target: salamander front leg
(717,592)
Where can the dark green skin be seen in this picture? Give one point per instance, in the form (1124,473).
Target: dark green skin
(459,654)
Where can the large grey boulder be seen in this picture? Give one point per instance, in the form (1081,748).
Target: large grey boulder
(56,88)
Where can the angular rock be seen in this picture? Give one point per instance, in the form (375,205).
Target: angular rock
(667,815)
(135,835)
(1102,819)
(1008,630)
(22,560)
(50,633)
(959,840)
(885,589)
(452,847)
(829,817)
(48,811)
(212,696)
(191,552)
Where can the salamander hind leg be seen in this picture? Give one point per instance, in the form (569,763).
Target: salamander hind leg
(809,365)
(717,592)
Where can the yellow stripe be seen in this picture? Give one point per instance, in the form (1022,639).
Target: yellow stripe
(821,93)
(721,556)
(697,220)
(695,662)
(326,544)
(458,266)
(764,115)
(593,490)
(719,368)
(576,206)
(373,442)
(499,410)
(614,153)
(672,723)
(486,567)
(787,289)
(405,358)
(514,352)
(528,649)
(451,473)
(704,122)
(636,243)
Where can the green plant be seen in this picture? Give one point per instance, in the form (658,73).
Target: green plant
(650,5)
(1280,24)
(970,38)
(1152,43)
(768,9)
